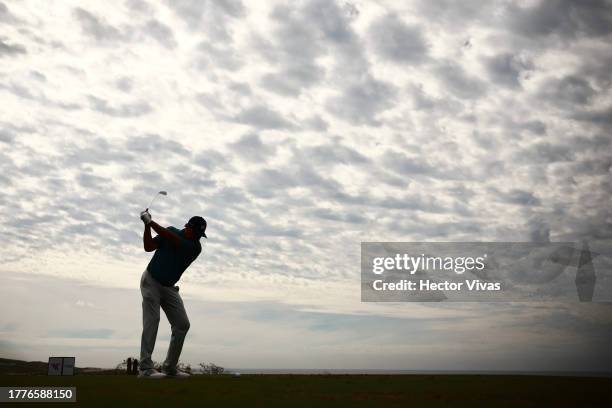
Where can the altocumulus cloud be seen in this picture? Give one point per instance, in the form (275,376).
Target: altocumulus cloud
(300,130)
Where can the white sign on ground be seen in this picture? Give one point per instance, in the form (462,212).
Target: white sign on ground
(61,366)
(68,366)
(55,366)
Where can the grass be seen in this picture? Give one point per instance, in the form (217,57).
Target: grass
(330,390)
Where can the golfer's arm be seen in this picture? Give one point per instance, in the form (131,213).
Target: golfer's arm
(164,233)
(147,240)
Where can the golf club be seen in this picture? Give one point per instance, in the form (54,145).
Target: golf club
(156,195)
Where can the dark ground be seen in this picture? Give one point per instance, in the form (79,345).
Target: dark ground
(329,390)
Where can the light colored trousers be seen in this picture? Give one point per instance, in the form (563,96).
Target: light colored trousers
(154,295)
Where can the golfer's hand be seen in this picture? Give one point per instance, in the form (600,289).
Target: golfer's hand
(146,217)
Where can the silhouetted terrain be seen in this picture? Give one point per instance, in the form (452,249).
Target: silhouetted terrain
(20,367)
(8,366)
(329,390)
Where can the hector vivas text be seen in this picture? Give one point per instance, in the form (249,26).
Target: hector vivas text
(405,263)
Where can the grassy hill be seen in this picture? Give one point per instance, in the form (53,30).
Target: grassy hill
(331,390)
(20,367)
(8,366)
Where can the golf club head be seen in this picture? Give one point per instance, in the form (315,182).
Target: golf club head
(165,193)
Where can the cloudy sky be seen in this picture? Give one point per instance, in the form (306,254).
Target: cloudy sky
(299,129)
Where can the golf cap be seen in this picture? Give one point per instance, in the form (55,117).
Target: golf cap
(198,224)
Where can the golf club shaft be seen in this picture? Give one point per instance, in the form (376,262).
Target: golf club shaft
(148,206)
(159,193)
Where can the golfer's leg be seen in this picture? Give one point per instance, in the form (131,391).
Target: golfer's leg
(177,316)
(150,320)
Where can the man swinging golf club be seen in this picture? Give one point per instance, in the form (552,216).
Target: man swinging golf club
(174,250)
